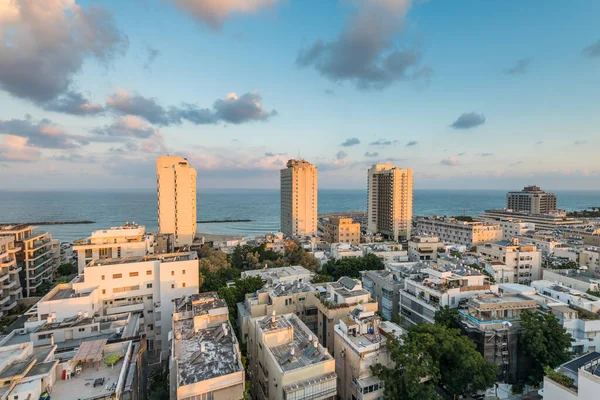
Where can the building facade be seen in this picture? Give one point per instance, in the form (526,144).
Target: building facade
(531,200)
(10,289)
(38,255)
(425,248)
(390,201)
(453,231)
(341,230)
(525,261)
(129,240)
(176,189)
(299,202)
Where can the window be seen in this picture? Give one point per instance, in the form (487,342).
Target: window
(183,272)
(117,276)
(94,328)
(133,274)
(149,297)
(125,289)
(103,291)
(102,277)
(172,273)
(149,286)
(150,327)
(44,336)
(149,272)
(81,329)
(172,286)
(183,284)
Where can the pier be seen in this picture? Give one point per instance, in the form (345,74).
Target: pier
(49,223)
(222,221)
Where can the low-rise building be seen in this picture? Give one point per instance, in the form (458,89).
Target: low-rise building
(511,227)
(38,255)
(341,230)
(453,231)
(129,240)
(11,290)
(286,361)
(360,342)
(543,222)
(544,242)
(284,275)
(387,252)
(572,278)
(525,260)
(205,358)
(436,287)
(492,321)
(340,251)
(425,248)
(583,372)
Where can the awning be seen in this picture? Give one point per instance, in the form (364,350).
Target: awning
(90,350)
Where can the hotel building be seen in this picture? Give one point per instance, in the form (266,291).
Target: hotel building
(390,201)
(299,198)
(531,200)
(176,189)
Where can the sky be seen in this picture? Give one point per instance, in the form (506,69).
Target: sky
(470,94)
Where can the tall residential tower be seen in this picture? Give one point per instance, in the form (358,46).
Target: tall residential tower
(299,198)
(390,201)
(176,189)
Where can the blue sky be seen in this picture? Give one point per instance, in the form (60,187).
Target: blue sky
(470,94)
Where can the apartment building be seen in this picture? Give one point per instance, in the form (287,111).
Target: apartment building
(205,358)
(545,243)
(129,240)
(387,252)
(176,189)
(10,284)
(146,284)
(360,342)
(335,303)
(425,248)
(299,202)
(38,255)
(435,287)
(286,361)
(492,321)
(525,260)
(511,227)
(340,251)
(285,275)
(453,231)
(543,222)
(390,201)
(531,200)
(584,372)
(341,230)
(295,297)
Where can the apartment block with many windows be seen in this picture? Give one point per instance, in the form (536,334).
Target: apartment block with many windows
(299,198)
(10,284)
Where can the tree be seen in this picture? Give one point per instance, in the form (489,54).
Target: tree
(237,292)
(320,278)
(545,341)
(66,269)
(212,259)
(440,356)
(296,255)
(447,317)
(351,267)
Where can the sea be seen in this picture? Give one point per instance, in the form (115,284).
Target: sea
(114,207)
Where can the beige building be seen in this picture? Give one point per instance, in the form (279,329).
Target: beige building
(585,373)
(453,231)
(129,240)
(531,200)
(176,188)
(341,230)
(285,275)
(286,361)
(360,342)
(38,255)
(524,261)
(425,248)
(205,357)
(10,285)
(340,297)
(299,198)
(390,201)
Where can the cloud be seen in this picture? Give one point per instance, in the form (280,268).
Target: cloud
(451,162)
(233,109)
(383,142)
(44,44)
(43,133)
(516,163)
(485,154)
(540,142)
(128,126)
(468,121)
(350,142)
(270,154)
(411,143)
(329,92)
(371,154)
(151,55)
(75,158)
(366,52)
(461,154)
(213,13)
(520,67)
(579,142)
(16,149)
(340,160)
(592,50)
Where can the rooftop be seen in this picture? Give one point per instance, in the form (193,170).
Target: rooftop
(277,273)
(171,257)
(206,354)
(200,304)
(581,362)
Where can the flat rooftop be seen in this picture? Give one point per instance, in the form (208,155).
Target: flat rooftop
(305,353)
(199,304)
(171,257)
(62,294)
(281,272)
(220,356)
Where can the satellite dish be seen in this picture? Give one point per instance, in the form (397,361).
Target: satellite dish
(507,324)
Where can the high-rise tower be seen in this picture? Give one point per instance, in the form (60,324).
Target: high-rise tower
(299,198)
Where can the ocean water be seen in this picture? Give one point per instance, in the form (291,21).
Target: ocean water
(114,207)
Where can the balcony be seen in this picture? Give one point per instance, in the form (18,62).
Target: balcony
(9,284)
(39,243)
(7,262)
(9,306)
(4,300)
(15,290)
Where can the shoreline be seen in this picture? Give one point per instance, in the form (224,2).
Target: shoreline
(211,237)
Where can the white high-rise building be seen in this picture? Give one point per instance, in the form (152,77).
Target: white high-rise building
(390,201)
(176,189)
(299,198)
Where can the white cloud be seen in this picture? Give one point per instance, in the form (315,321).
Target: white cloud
(15,148)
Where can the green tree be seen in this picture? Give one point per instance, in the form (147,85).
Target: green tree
(66,269)
(351,267)
(212,259)
(296,255)
(320,278)
(237,292)
(439,355)
(545,341)
(448,317)
(158,384)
